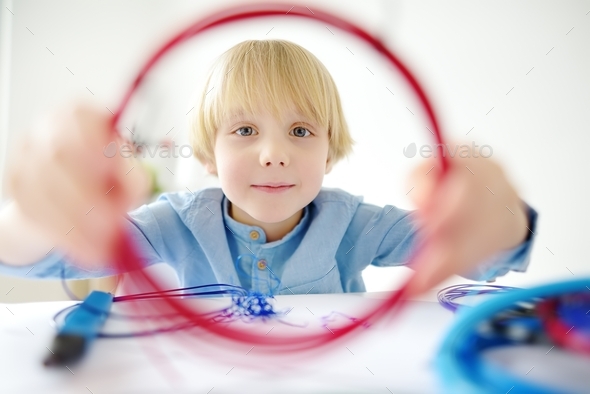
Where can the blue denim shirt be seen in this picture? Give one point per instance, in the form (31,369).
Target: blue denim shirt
(337,237)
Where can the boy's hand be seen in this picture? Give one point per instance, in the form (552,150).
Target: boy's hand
(68,188)
(472,213)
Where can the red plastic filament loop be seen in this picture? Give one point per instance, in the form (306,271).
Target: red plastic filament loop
(127,257)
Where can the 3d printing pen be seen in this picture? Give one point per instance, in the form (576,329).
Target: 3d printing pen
(80,329)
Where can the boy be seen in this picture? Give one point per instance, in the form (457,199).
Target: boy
(269,125)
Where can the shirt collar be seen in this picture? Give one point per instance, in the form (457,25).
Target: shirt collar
(243,231)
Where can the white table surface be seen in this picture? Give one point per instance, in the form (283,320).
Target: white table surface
(388,357)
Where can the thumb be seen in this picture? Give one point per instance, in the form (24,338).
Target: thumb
(431,266)
(423,181)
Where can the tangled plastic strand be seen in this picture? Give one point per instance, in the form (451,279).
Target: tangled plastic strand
(250,306)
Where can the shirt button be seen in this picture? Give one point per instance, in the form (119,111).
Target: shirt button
(254,235)
(261,264)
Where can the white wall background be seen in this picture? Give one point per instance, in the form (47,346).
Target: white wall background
(510,75)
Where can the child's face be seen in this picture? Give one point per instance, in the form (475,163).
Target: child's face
(252,150)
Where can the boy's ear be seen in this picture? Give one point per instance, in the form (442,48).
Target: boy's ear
(329,166)
(210,168)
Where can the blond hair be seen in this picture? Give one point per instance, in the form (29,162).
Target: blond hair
(276,74)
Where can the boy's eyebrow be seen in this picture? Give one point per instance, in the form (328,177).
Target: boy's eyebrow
(237,115)
(297,117)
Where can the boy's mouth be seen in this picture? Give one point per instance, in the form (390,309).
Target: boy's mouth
(273,187)
(274,184)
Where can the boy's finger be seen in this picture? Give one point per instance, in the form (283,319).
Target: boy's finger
(79,210)
(443,211)
(129,182)
(90,153)
(432,266)
(135,183)
(423,181)
(83,140)
(70,210)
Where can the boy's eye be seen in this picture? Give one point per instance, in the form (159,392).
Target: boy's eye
(300,131)
(247,129)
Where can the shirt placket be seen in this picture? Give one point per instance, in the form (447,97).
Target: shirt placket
(259,270)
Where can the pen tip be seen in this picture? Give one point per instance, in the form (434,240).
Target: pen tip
(52,359)
(67,348)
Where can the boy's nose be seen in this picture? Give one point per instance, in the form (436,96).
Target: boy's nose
(274,153)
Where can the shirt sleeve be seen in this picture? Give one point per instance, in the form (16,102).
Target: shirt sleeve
(380,236)
(515,259)
(156,229)
(55,265)
(399,243)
